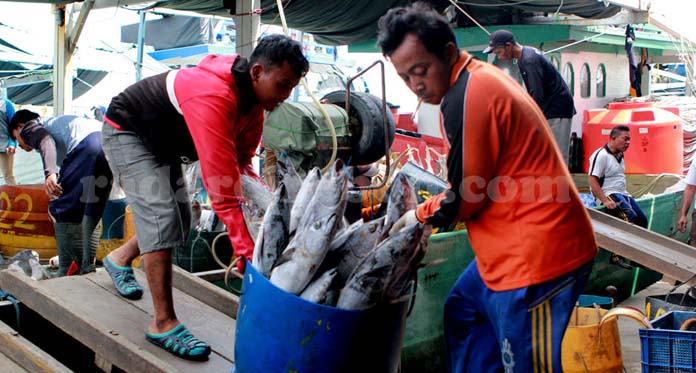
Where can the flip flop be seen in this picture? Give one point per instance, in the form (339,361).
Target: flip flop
(180,342)
(123,279)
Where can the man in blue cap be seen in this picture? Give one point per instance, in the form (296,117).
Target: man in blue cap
(543,82)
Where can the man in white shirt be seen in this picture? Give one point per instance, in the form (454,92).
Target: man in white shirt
(607,178)
(686,204)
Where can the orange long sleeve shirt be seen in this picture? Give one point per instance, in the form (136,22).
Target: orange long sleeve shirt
(508,182)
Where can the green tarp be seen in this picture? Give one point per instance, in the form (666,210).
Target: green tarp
(347,22)
(299,130)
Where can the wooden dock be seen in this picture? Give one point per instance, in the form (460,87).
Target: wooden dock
(89,309)
(670,257)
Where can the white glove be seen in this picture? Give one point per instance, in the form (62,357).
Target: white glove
(409,218)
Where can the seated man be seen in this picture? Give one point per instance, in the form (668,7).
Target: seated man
(607,178)
(78,189)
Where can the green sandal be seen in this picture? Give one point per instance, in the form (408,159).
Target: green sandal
(180,342)
(124,279)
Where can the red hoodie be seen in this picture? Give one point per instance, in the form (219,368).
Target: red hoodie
(217,121)
(225,138)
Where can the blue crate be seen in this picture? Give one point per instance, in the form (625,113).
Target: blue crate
(666,348)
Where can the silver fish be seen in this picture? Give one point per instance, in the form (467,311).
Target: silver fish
(352,244)
(301,259)
(389,263)
(317,290)
(273,235)
(314,233)
(331,193)
(402,198)
(404,276)
(25,261)
(257,197)
(289,176)
(304,196)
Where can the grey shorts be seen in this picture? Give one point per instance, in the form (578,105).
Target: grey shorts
(561,132)
(155,191)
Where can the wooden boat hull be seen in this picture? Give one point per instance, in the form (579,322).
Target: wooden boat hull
(24,221)
(25,224)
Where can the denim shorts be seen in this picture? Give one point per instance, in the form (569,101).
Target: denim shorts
(156,191)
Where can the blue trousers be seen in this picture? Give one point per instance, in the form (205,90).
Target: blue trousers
(627,209)
(86,180)
(517,330)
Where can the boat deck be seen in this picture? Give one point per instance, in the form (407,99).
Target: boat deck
(89,309)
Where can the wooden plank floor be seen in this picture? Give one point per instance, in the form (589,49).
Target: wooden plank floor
(10,366)
(89,309)
(653,250)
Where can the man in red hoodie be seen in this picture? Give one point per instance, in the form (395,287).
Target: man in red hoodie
(212,113)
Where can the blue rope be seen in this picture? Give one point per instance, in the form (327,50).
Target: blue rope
(14,301)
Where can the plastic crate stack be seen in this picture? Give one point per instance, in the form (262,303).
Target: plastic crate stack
(667,349)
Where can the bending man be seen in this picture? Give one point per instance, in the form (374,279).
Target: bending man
(212,113)
(79,189)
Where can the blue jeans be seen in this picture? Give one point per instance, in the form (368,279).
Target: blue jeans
(86,181)
(627,209)
(518,330)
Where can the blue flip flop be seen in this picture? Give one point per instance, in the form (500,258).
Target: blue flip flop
(123,279)
(180,342)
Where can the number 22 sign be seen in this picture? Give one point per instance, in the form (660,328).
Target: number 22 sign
(18,223)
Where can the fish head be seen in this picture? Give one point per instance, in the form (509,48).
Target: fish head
(322,226)
(331,193)
(318,232)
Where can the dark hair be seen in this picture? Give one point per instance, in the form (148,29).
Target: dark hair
(277,48)
(419,19)
(616,131)
(21,116)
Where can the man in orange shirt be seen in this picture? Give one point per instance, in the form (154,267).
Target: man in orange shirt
(532,237)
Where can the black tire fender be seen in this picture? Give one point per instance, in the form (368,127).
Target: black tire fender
(366,125)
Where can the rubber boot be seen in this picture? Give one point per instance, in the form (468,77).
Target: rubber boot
(90,242)
(69,241)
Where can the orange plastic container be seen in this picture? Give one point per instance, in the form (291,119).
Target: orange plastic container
(657,144)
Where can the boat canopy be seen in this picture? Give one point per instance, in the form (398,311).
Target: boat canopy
(341,22)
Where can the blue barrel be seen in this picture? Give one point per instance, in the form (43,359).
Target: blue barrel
(280,332)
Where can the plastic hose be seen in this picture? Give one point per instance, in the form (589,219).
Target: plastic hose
(14,301)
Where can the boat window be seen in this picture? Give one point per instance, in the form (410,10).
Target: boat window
(569,77)
(556,62)
(600,78)
(585,87)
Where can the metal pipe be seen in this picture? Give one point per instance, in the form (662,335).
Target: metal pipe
(141,47)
